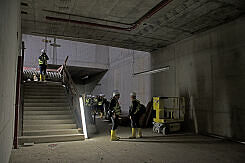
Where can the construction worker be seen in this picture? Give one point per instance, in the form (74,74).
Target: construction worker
(88,106)
(88,101)
(101,103)
(43,58)
(115,112)
(94,107)
(134,115)
(106,109)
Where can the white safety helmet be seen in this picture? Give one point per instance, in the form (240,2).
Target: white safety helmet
(43,51)
(115,92)
(133,94)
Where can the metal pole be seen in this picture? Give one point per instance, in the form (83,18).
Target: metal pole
(45,44)
(54,52)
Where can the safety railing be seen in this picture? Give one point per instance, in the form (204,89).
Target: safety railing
(72,93)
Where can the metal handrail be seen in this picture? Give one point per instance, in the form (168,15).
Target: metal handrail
(72,90)
(67,79)
(71,84)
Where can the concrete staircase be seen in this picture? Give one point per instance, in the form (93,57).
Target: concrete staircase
(47,117)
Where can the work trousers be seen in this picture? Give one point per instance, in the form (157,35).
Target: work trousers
(135,122)
(101,108)
(42,69)
(114,120)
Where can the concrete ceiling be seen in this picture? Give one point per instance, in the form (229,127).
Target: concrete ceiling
(145,25)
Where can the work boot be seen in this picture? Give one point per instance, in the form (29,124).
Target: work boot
(139,133)
(44,77)
(113,136)
(40,77)
(133,134)
(116,134)
(101,115)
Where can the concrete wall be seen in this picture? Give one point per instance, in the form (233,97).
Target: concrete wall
(9,45)
(123,63)
(80,54)
(209,70)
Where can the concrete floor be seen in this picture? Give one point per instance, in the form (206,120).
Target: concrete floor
(152,148)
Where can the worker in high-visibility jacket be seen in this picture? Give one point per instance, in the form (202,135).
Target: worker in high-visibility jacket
(100,105)
(88,107)
(88,100)
(115,112)
(134,115)
(42,60)
(94,108)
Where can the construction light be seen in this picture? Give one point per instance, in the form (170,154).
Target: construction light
(82,110)
(166,68)
(85,77)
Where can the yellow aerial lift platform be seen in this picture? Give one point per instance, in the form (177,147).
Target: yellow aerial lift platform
(170,112)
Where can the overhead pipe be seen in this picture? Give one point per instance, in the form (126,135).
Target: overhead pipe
(86,17)
(134,25)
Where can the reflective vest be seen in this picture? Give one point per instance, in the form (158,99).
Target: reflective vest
(87,102)
(95,101)
(117,109)
(100,103)
(137,109)
(42,60)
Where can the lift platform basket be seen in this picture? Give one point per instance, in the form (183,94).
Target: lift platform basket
(170,112)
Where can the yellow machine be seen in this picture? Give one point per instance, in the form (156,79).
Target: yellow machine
(170,112)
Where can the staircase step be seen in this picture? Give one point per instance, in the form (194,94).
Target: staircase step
(44,93)
(45,122)
(49,126)
(37,91)
(43,85)
(31,83)
(44,108)
(51,138)
(51,132)
(53,89)
(45,100)
(47,117)
(44,88)
(67,112)
(45,97)
(46,104)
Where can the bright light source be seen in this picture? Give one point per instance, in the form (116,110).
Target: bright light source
(153,71)
(85,77)
(83,117)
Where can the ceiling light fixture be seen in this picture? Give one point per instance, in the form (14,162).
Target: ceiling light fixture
(85,77)
(166,68)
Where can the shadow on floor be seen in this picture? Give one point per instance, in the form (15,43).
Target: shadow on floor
(173,141)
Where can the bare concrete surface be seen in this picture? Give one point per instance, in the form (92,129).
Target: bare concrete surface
(152,148)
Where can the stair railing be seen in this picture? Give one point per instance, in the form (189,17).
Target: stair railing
(72,92)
